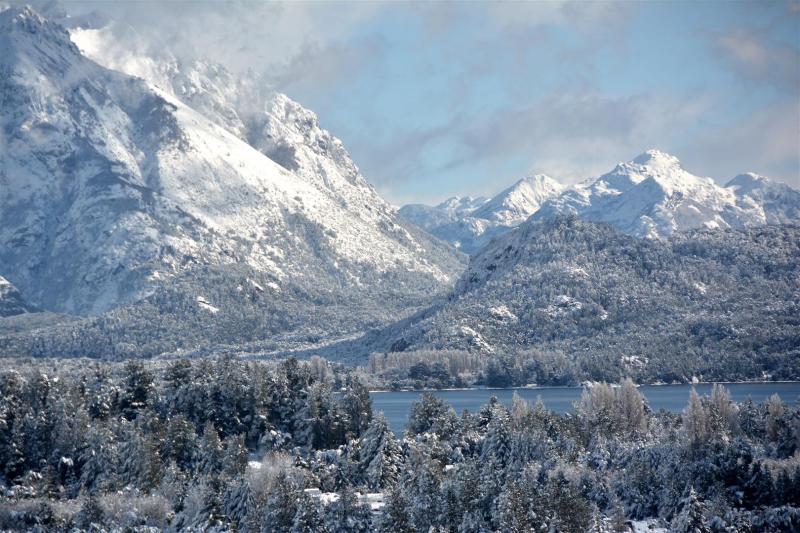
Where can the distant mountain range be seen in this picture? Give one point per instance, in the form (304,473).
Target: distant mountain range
(651,196)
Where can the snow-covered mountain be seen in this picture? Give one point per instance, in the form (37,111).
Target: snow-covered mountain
(451,210)
(653,196)
(470,223)
(113,188)
(11,300)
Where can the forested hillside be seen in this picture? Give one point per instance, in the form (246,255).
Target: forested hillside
(574,300)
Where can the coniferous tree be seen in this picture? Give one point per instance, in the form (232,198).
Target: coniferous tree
(691,518)
(209,453)
(396,515)
(357,407)
(347,514)
(281,505)
(308,517)
(138,389)
(91,516)
(380,455)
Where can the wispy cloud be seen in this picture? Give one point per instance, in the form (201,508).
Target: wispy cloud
(760,59)
(571,135)
(765,141)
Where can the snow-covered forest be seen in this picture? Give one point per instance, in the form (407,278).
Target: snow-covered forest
(226,445)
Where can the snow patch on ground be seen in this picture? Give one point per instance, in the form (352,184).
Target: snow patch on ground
(646,526)
(501,312)
(203,303)
(375,500)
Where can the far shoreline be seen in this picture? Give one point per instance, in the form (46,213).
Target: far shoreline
(583,386)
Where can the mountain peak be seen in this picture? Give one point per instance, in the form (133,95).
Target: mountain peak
(536,180)
(25,33)
(656,158)
(20,17)
(521,200)
(23,19)
(748,180)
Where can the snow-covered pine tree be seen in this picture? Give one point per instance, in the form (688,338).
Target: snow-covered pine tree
(281,505)
(380,455)
(396,515)
(208,452)
(308,518)
(691,518)
(347,514)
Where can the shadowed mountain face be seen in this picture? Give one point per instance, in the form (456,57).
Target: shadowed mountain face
(116,192)
(716,303)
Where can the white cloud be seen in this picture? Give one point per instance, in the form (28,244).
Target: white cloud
(753,55)
(264,36)
(766,141)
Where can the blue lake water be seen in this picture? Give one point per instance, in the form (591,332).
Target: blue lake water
(397,405)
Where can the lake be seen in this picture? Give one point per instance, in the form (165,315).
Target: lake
(397,405)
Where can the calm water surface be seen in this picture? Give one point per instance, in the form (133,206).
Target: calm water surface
(397,405)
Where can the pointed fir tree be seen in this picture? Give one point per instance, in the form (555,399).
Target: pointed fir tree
(202,508)
(308,517)
(380,455)
(138,389)
(347,514)
(357,407)
(237,502)
(281,505)
(691,518)
(396,515)
(91,516)
(234,457)
(208,454)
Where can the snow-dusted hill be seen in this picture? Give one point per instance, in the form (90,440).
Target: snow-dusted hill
(701,302)
(653,196)
(113,189)
(470,223)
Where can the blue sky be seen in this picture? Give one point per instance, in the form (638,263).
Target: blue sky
(438,99)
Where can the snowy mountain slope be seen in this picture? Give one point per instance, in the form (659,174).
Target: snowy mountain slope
(11,301)
(267,120)
(469,224)
(605,300)
(112,189)
(653,196)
